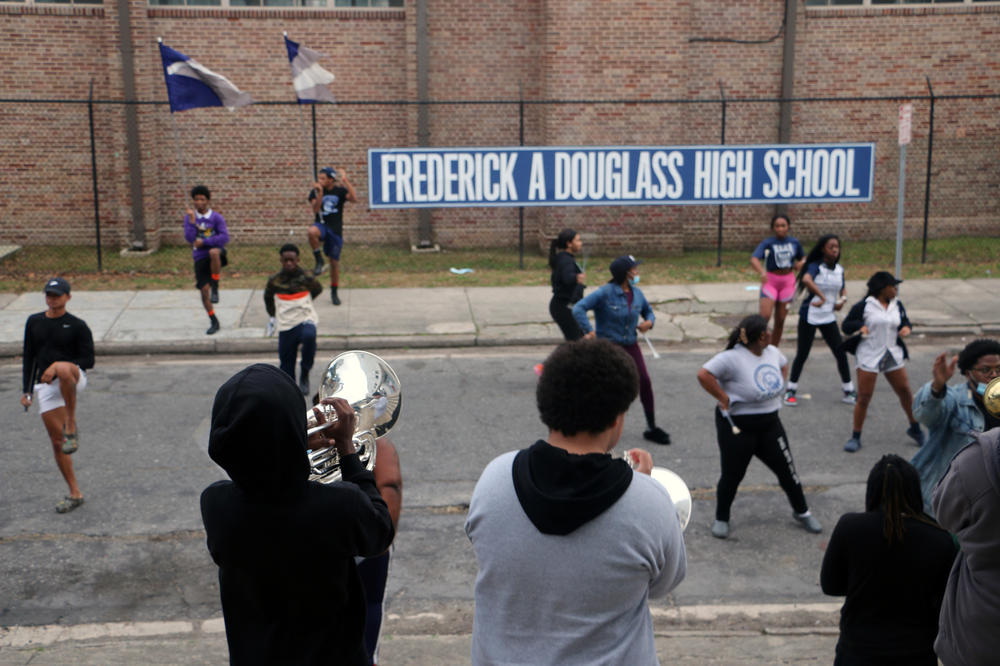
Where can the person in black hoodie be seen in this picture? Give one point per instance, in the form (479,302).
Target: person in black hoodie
(285,546)
(567,281)
(892,564)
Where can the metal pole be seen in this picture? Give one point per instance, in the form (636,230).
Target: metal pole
(927,182)
(315,158)
(718,243)
(93,175)
(899,214)
(520,209)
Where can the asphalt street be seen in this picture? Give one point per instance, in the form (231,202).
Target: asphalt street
(135,551)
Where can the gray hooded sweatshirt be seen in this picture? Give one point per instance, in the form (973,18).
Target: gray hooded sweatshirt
(570,550)
(967,504)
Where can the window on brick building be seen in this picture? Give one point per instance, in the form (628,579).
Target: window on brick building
(56,2)
(264,3)
(873,3)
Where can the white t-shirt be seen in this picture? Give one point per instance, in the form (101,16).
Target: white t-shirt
(754,383)
(830,281)
(883,329)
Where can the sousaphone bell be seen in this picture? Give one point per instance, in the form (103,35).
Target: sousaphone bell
(991,397)
(372,389)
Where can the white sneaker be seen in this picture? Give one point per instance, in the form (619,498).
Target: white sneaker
(850,397)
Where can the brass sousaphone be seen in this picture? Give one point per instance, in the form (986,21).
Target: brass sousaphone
(372,389)
(991,397)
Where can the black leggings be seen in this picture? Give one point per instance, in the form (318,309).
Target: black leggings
(761,435)
(832,338)
(560,310)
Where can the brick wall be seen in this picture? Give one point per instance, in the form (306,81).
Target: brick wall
(258,161)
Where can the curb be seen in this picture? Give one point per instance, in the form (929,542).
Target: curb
(426,341)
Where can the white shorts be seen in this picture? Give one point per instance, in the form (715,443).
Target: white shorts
(886,364)
(49,397)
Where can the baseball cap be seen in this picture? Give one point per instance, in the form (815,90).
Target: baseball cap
(329,171)
(881,280)
(57,285)
(622,265)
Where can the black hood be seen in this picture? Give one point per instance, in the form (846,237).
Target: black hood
(560,491)
(259,431)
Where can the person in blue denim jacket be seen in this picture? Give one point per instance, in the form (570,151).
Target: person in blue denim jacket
(617,306)
(954,415)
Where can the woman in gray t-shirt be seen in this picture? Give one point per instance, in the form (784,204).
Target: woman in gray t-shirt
(747,380)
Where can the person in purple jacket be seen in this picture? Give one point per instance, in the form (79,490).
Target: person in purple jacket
(205,229)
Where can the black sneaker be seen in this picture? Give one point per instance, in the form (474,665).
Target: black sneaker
(214,328)
(333,297)
(320,266)
(214,297)
(916,433)
(657,435)
(304,385)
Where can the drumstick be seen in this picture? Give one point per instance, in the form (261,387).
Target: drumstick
(649,342)
(725,413)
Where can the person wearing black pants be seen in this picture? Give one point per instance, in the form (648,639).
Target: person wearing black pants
(567,282)
(747,379)
(823,277)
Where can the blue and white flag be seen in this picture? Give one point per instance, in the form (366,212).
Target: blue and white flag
(308,78)
(191,85)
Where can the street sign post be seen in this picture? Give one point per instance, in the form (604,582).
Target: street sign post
(905,135)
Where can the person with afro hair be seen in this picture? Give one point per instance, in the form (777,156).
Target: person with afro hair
(571,543)
(954,415)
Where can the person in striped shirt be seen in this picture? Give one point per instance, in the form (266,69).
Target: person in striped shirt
(288,299)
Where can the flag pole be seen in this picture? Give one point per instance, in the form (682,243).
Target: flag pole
(302,121)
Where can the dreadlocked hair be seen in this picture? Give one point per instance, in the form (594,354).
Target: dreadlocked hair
(894,489)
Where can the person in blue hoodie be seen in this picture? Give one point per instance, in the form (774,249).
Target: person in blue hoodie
(617,307)
(954,415)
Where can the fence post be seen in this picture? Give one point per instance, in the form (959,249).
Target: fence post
(93,175)
(315,160)
(718,248)
(927,183)
(520,209)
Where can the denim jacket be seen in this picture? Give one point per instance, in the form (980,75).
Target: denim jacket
(952,422)
(614,320)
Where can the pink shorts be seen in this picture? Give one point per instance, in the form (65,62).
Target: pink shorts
(779,288)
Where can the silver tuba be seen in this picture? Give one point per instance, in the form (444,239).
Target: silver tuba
(372,388)
(679,493)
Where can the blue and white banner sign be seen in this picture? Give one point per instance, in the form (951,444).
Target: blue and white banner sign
(620,175)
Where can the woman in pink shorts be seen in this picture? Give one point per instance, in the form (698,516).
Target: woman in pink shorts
(777,259)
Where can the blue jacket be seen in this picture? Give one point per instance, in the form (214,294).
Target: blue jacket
(952,423)
(614,320)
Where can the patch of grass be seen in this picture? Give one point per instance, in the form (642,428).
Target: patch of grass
(384,266)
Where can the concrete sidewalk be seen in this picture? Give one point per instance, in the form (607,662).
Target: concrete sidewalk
(156,322)
(204,642)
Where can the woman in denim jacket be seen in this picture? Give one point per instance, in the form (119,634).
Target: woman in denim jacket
(954,415)
(617,306)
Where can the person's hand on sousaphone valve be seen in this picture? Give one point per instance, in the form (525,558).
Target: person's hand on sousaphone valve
(340,432)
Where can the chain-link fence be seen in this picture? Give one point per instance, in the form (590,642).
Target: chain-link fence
(89,183)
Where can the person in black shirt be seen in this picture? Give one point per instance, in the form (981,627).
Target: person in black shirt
(892,564)
(58,348)
(285,545)
(567,282)
(330,191)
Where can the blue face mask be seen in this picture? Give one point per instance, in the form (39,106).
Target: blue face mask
(981,389)
(634,281)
